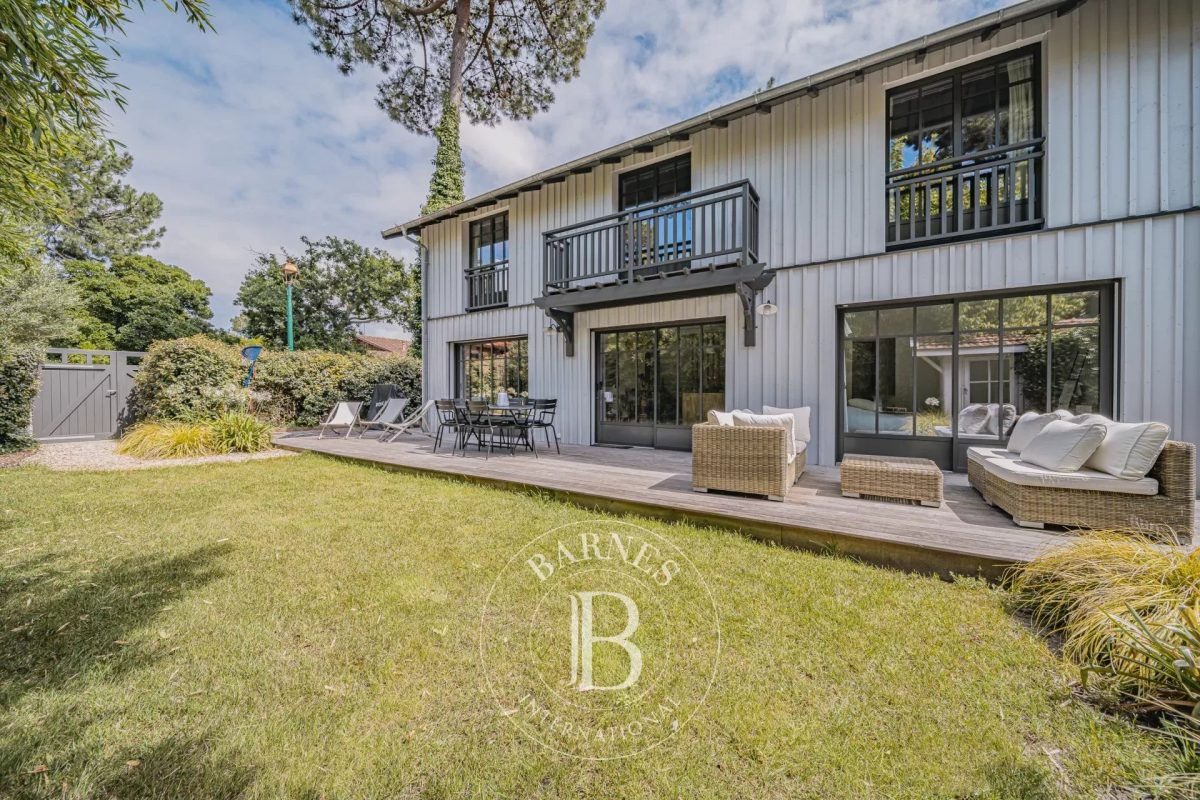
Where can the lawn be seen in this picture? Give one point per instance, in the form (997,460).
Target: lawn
(306,628)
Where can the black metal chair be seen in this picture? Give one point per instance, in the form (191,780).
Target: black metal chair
(479,421)
(447,418)
(543,418)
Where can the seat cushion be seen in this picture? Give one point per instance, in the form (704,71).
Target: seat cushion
(1063,446)
(1129,449)
(1023,473)
(801,415)
(786,421)
(981,454)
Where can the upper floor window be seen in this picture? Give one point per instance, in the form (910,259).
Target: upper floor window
(965,152)
(487,271)
(655,182)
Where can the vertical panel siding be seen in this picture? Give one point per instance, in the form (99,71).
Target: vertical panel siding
(1121,86)
(1121,114)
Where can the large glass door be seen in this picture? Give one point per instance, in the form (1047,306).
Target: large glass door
(653,384)
(932,379)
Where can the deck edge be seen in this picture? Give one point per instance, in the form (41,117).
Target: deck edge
(896,555)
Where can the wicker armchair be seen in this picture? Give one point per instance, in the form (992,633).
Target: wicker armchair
(745,459)
(1170,512)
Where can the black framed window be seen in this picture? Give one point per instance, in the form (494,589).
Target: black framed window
(964,151)
(487,270)
(655,182)
(483,369)
(967,368)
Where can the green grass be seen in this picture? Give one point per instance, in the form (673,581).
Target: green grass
(305,628)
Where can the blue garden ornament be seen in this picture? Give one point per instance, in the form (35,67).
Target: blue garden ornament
(250,355)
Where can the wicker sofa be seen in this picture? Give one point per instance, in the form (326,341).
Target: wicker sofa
(1035,503)
(749,460)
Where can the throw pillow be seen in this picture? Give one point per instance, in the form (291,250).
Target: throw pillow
(1129,449)
(802,434)
(1063,446)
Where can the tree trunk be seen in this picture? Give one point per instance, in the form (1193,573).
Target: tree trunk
(458,53)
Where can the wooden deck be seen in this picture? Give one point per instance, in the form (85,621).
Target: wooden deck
(964,536)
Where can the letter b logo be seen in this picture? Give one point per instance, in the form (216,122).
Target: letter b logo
(583,638)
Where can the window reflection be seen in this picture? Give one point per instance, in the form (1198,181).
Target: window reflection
(1012,354)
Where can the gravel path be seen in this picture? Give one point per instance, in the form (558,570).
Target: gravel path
(102,455)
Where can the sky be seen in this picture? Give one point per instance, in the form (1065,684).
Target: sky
(252,140)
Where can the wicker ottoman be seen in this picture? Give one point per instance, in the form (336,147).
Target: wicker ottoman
(916,479)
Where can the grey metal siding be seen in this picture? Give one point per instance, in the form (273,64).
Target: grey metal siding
(1121,110)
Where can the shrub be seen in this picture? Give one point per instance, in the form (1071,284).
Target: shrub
(186,379)
(1128,610)
(169,440)
(241,433)
(1086,590)
(303,385)
(18,387)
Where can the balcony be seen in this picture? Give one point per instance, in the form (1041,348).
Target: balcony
(487,287)
(703,242)
(698,231)
(981,194)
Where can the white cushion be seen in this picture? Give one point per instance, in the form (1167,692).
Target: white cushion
(1063,446)
(745,419)
(1129,449)
(1088,419)
(802,432)
(1029,424)
(722,418)
(982,454)
(1023,473)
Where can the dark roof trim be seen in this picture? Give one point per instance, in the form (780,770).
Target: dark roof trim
(759,102)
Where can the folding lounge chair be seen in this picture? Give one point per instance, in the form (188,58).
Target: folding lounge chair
(389,414)
(343,415)
(416,420)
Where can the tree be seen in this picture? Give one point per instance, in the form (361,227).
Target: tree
(341,285)
(54,84)
(35,306)
(490,58)
(102,217)
(134,300)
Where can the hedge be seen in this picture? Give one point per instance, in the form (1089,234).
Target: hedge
(199,378)
(301,386)
(18,387)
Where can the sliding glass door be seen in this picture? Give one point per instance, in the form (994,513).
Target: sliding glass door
(653,384)
(931,379)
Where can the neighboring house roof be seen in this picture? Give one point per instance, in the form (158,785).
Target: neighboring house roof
(1014,341)
(986,26)
(384,344)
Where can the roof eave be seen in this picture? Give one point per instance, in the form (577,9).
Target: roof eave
(990,23)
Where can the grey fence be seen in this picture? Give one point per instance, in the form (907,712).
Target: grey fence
(83,393)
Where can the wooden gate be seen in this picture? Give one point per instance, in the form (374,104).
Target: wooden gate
(83,393)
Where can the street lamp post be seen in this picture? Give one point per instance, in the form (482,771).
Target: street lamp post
(290,271)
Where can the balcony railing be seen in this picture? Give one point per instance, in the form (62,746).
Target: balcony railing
(487,287)
(977,194)
(700,230)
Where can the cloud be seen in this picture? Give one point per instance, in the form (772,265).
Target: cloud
(252,140)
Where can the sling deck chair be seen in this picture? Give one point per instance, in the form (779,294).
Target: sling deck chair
(416,420)
(389,414)
(343,415)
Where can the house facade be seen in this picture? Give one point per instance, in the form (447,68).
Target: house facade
(919,245)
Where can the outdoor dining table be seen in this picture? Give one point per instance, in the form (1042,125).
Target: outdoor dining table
(518,414)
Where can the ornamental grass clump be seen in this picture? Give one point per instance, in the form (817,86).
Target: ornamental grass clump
(169,440)
(240,433)
(1084,592)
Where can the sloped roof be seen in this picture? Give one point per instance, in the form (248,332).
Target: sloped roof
(385,344)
